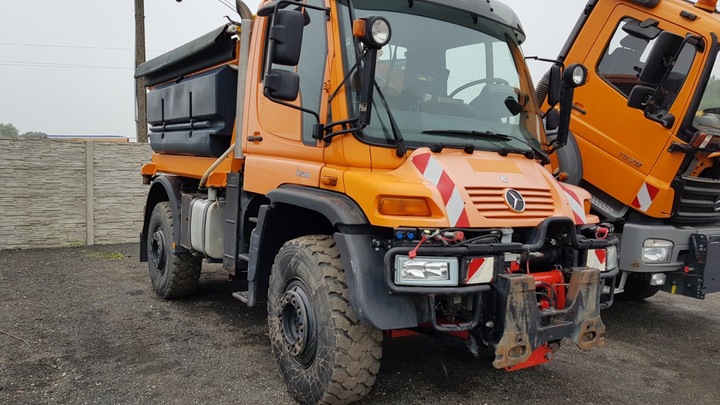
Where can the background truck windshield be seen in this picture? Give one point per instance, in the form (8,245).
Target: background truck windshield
(447,81)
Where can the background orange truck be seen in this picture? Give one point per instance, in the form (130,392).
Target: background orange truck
(367,168)
(646,138)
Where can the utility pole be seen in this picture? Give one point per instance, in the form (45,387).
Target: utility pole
(140,94)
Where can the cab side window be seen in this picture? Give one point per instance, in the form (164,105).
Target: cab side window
(311,66)
(625,57)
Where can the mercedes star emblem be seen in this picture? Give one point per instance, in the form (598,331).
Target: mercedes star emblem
(515,200)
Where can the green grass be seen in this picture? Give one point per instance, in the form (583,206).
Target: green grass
(106,256)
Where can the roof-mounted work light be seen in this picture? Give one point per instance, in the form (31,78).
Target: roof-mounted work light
(374,32)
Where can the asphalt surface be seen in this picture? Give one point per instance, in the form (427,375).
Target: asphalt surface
(83,326)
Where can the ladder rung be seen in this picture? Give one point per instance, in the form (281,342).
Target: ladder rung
(241,295)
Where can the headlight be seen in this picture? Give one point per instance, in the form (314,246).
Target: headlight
(426,271)
(656,251)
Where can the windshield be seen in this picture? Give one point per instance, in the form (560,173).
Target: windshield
(448,78)
(707,117)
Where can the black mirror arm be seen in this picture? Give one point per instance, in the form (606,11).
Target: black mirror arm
(566,107)
(273,6)
(266,93)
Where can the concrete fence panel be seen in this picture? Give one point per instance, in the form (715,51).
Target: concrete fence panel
(64,193)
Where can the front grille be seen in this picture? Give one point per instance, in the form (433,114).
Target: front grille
(695,200)
(490,202)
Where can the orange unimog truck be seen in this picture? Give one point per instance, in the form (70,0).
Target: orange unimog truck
(368,168)
(645,138)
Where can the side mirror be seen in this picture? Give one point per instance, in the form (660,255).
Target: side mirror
(285,38)
(574,76)
(661,58)
(640,96)
(286,35)
(555,85)
(552,119)
(282,85)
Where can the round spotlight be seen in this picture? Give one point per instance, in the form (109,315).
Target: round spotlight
(380,31)
(578,75)
(575,75)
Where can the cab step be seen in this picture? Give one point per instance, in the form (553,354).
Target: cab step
(241,295)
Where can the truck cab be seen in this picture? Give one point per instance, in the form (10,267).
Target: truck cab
(645,138)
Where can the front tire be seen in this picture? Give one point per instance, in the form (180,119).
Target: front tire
(325,353)
(173,274)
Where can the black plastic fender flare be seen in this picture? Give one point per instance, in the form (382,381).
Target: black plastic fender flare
(363,265)
(162,188)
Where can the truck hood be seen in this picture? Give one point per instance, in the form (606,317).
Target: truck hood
(470,191)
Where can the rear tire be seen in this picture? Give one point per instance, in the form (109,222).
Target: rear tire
(638,288)
(173,274)
(325,353)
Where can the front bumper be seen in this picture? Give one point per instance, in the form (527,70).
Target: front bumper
(694,268)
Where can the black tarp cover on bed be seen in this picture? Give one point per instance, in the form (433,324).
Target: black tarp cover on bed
(213,48)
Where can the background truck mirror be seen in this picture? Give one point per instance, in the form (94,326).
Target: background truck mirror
(282,85)
(661,58)
(640,96)
(286,35)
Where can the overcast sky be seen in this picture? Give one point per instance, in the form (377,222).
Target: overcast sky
(66,67)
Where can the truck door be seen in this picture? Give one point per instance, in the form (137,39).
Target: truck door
(616,141)
(278,144)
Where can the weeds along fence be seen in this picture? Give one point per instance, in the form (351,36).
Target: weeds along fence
(70,193)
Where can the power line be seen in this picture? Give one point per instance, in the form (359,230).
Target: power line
(57,65)
(76,47)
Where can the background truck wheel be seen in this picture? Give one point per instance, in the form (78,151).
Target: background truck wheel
(638,288)
(326,355)
(173,275)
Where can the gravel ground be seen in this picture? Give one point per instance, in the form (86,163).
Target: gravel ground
(83,326)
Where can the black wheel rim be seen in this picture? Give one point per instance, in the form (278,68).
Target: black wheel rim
(297,323)
(158,254)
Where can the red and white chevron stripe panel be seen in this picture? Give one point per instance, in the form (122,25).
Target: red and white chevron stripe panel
(645,197)
(480,270)
(597,259)
(576,205)
(435,174)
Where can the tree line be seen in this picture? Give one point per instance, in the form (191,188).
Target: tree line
(9,131)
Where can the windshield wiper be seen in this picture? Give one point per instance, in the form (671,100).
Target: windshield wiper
(394,128)
(534,153)
(482,134)
(438,147)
